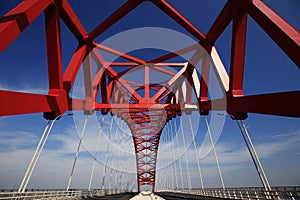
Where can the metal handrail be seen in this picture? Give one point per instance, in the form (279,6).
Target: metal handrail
(57,194)
(247,193)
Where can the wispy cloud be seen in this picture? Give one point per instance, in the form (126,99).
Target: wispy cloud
(12,141)
(16,149)
(235,160)
(57,158)
(24,87)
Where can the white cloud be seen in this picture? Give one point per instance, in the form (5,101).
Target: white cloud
(236,163)
(17,140)
(57,159)
(16,150)
(24,88)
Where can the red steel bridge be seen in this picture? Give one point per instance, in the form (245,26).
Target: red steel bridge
(148,107)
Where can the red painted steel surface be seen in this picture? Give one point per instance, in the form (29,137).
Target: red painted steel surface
(146,115)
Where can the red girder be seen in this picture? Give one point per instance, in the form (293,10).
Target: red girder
(72,22)
(116,16)
(118,53)
(174,14)
(73,67)
(122,97)
(285,35)
(238,52)
(15,21)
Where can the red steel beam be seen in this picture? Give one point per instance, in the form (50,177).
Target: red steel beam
(144,113)
(52,20)
(73,67)
(170,82)
(15,103)
(194,60)
(131,91)
(280,104)
(174,54)
(72,22)
(175,15)
(165,71)
(110,89)
(204,79)
(281,32)
(119,53)
(116,16)
(147,80)
(221,22)
(15,21)
(116,76)
(104,93)
(87,73)
(123,64)
(238,52)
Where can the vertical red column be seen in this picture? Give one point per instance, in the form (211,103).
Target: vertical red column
(147,77)
(87,71)
(238,52)
(59,103)
(52,17)
(204,78)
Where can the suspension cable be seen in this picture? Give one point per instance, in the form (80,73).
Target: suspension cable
(37,153)
(180,167)
(257,158)
(215,153)
(121,173)
(164,175)
(34,159)
(132,185)
(165,180)
(77,152)
(114,180)
(119,178)
(112,162)
(171,162)
(196,152)
(127,172)
(96,152)
(254,156)
(106,156)
(169,178)
(118,172)
(186,156)
(174,161)
(174,177)
(111,171)
(116,154)
(160,183)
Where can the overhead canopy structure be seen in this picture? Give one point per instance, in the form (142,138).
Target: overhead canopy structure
(147,107)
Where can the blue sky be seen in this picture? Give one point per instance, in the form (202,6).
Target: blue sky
(23,67)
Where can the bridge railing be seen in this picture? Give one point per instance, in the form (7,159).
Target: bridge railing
(56,194)
(247,193)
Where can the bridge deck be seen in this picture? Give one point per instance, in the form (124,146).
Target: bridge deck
(124,196)
(171,196)
(165,195)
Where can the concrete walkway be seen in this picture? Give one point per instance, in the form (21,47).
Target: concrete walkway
(146,195)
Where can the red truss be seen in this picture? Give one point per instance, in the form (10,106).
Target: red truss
(147,115)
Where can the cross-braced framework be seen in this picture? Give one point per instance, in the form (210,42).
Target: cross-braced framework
(147,114)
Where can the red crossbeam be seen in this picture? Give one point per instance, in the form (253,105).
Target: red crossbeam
(147,107)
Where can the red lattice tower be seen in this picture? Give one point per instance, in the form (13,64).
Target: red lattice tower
(145,115)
